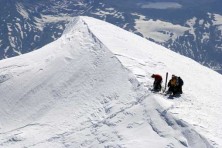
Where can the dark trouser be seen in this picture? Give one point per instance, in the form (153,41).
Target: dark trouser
(157,85)
(175,90)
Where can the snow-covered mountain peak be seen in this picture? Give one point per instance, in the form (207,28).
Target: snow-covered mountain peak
(194,29)
(89,88)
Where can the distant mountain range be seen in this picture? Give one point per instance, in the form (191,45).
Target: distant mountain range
(191,28)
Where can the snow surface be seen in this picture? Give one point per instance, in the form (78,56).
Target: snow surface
(218,21)
(109,11)
(89,88)
(159,30)
(160,5)
(21,10)
(45,19)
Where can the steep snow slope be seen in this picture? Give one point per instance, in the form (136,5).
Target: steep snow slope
(200,105)
(87,90)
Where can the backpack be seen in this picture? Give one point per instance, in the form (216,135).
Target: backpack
(180,81)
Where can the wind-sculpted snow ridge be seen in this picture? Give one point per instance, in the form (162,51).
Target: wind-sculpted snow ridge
(89,89)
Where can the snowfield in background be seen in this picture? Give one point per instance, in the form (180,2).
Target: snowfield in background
(90,88)
(159,31)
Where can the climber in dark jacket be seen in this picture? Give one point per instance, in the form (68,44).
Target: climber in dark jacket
(175,85)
